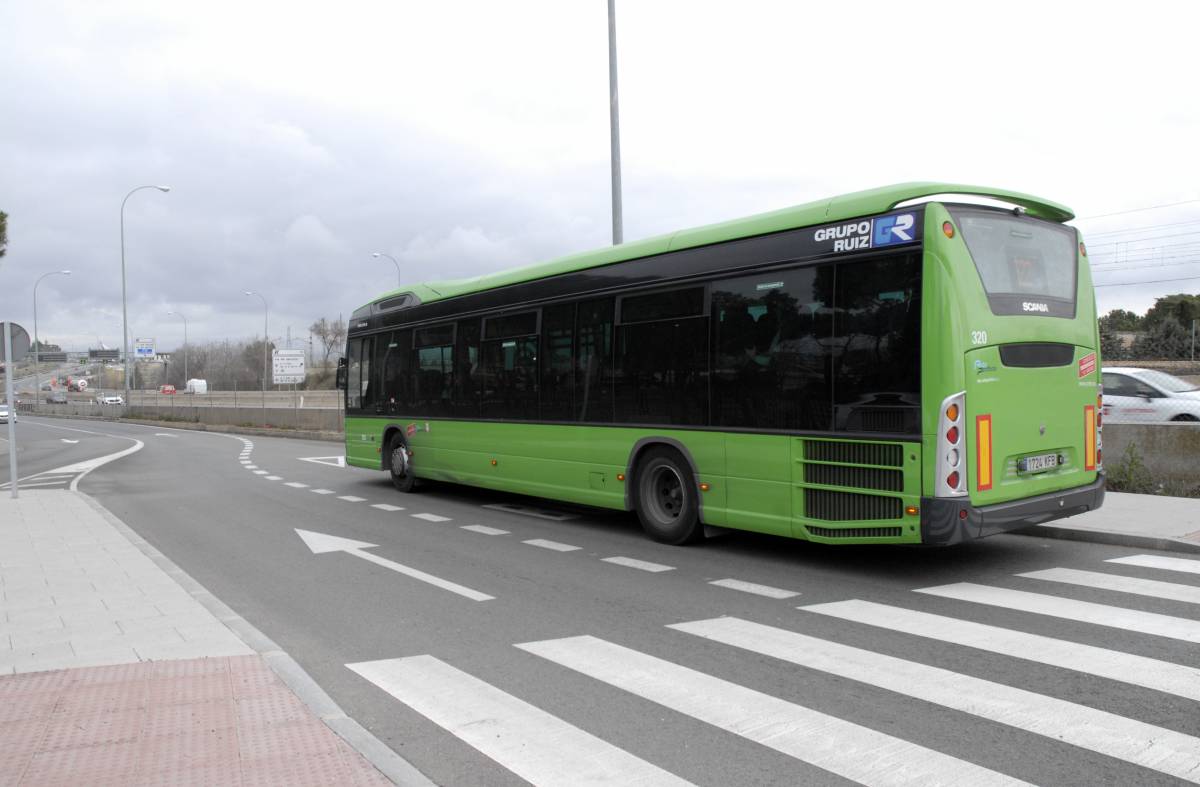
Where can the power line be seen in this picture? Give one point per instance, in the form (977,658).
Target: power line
(1153,281)
(1142,229)
(1136,210)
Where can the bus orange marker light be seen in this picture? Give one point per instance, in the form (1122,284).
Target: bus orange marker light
(705,487)
(620,476)
(952,412)
(911,510)
(1082,249)
(493,463)
(983,449)
(948,228)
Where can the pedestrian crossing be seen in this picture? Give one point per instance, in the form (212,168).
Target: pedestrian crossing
(1111,723)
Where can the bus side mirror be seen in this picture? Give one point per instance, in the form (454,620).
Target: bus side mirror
(341,374)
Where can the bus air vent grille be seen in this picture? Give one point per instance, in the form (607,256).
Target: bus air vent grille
(855,533)
(850,506)
(889,454)
(861,477)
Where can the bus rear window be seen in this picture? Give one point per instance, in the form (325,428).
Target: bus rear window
(1027,266)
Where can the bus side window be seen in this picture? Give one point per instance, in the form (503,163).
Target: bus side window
(366,385)
(392,354)
(662,358)
(558,329)
(466,372)
(353,389)
(594,361)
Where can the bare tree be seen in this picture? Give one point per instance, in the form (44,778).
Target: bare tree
(331,333)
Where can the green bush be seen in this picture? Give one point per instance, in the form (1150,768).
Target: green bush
(1131,474)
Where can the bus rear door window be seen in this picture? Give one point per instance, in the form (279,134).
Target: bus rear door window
(558,330)
(466,372)
(594,361)
(662,372)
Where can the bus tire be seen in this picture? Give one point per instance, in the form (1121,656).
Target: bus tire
(400,466)
(667,498)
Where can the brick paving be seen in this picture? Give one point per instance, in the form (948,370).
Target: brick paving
(205,721)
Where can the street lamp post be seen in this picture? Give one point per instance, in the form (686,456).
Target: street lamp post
(185,346)
(399,275)
(265,341)
(37,349)
(124,307)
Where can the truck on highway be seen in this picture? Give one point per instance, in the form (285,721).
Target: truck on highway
(197,387)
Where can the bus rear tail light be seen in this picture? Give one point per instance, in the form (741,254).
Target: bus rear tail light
(1098,464)
(951,474)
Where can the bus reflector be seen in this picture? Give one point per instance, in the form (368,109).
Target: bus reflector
(1089,437)
(983,451)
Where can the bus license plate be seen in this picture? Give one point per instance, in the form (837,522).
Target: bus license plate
(1037,464)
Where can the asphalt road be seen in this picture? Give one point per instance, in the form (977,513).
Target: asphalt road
(600,652)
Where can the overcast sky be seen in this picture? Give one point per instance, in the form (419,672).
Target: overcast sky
(466,137)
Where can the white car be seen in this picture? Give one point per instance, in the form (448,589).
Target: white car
(4,411)
(109,399)
(1138,396)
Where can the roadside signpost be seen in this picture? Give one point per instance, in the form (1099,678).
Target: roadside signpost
(288,366)
(14,348)
(143,348)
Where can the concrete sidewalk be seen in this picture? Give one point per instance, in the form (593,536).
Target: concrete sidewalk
(113,671)
(1135,521)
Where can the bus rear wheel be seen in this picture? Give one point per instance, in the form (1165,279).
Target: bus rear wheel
(667,499)
(400,466)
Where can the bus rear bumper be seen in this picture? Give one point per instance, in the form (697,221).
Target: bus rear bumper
(943,521)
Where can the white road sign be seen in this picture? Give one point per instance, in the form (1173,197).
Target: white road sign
(288,366)
(143,348)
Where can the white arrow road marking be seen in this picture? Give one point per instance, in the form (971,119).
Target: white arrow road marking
(71,442)
(332,461)
(321,543)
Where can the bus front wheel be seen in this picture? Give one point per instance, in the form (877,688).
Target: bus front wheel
(667,498)
(400,466)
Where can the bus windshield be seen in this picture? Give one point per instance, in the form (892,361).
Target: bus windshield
(1027,266)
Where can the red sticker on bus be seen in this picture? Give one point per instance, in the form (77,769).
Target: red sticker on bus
(1087,364)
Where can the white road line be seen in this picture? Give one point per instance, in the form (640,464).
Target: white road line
(431,517)
(1139,587)
(52,476)
(87,466)
(250,466)
(1150,673)
(387,507)
(544,544)
(1156,561)
(1134,741)
(245,461)
(756,589)
(260,472)
(841,747)
(296,485)
(33,484)
(540,748)
(351,498)
(273,477)
(322,491)
(642,565)
(1069,609)
(487,531)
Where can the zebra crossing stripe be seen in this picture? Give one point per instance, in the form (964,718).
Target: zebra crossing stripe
(841,747)
(1157,561)
(538,747)
(1070,609)
(1141,587)
(1164,676)
(1137,742)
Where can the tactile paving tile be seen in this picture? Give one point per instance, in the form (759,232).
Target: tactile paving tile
(107,697)
(308,736)
(189,688)
(72,731)
(23,707)
(252,663)
(274,708)
(226,774)
(18,742)
(254,684)
(114,763)
(364,773)
(190,667)
(193,717)
(297,771)
(189,750)
(32,683)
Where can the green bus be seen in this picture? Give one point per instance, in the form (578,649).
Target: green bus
(884,367)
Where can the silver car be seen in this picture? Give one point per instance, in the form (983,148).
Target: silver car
(4,411)
(1137,396)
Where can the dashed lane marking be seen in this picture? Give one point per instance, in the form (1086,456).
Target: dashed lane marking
(431,517)
(554,545)
(274,478)
(387,507)
(755,588)
(296,485)
(487,531)
(641,565)
(351,498)
(322,491)
(260,472)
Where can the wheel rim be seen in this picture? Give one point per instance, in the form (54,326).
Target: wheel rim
(399,461)
(666,495)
